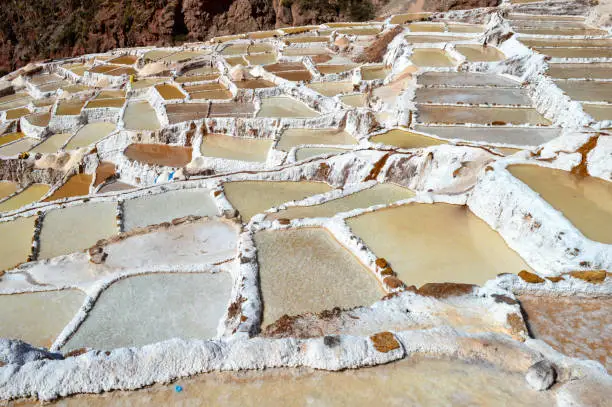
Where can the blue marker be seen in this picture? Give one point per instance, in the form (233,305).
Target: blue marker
(178,388)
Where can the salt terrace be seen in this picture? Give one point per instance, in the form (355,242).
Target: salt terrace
(432,187)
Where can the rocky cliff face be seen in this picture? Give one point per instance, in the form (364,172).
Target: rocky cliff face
(39,29)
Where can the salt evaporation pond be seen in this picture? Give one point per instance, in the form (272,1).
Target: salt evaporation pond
(89,134)
(158,208)
(529,136)
(38,318)
(585,201)
(414,381)
(379,194)
(7,188)
(29,195)
(587,71)
(140,116)
(9,138)
(356,100)
(52,144)
(169,92)
(235,148)
(285,107)
(406,139)
(16,250)
(298,136)
(598,112)
(411,237)
(479,115)
(253,197)
(372,72)
(159,154)
(427,39)
(466,79)
(478,53)
(331,88)
(18,147)
(587,90)
(150,308)
(190,245)
(500,96)
(308,152)
(77,185)
(571,52)
(307,270)
(76,228)
(432,57)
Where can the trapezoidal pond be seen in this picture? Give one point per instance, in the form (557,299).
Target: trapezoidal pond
(75,228)
(412,236)
(158,208)
(16,249)
(585,201)
(307,270)
(379,194)
(235,148)
(150,308)
(39,317)
(159,154)
(77,185)
(295,137)
(253,197)
(29,195)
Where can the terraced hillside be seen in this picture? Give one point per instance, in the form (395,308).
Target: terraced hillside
(416,210)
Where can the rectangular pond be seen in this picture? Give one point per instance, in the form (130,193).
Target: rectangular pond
(297,136)
(406,139)
(159,154)
(529,136)
(588,71)
(479,115)
(411,237)
(235,148)
(140,116)
(379,194)
(253,197)
(38,318)
(90,134)
(307,270)
(29,195)
(282,106)
(584,201)
(158,208)
(76,228)
(150,308)
(77,185)
(469,96)
(16,241)
(592,91)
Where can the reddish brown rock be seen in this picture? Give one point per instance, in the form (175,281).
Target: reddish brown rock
(592,276)
(531,278)
(518,329)
(393,282)
(384,342)
(445,290)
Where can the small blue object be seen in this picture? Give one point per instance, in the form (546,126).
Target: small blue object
(178,388)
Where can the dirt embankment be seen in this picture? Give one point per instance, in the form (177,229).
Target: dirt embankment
(40,29)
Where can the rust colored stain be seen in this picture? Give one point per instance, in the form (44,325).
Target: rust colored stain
(581,169)
(384,342)
(377,168)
